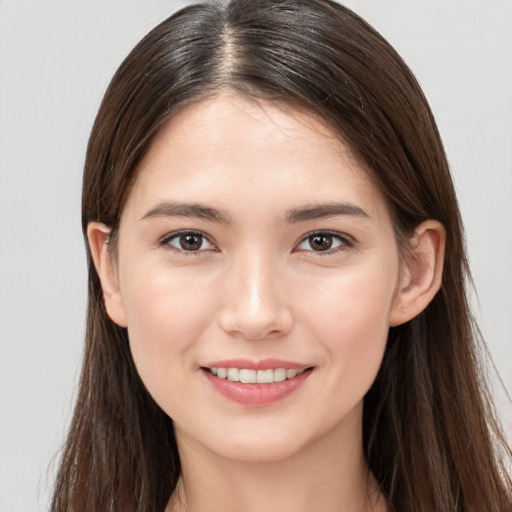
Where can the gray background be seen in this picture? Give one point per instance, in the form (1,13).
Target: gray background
(56,58)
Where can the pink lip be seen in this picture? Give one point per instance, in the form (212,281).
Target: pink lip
(256,395)
(264,364)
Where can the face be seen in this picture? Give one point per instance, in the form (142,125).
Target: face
(253,247)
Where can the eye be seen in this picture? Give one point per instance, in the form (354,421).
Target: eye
(324,241)
(189,241)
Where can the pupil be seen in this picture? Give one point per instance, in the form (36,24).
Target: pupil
(320,242)
(191,241)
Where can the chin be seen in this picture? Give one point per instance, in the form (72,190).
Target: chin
(267,440)
(261,441)
(260,450)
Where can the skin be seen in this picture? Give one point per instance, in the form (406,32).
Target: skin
(255,289)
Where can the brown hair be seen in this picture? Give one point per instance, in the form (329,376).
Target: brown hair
(430,435)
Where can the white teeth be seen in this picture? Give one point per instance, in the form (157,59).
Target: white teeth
(233,374)
(279,374)
(291,373)
(247,376)
(265,376)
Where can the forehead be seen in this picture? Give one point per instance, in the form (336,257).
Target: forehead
(229,147)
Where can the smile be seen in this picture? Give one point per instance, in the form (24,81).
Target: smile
(249,376)
(256,384)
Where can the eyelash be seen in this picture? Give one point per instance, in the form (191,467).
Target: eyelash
(345,242)
(166,242)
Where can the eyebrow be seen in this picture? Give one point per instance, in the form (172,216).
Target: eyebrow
(200,211)
(323,211)
(197,210)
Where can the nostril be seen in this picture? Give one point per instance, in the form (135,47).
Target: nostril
(255,311)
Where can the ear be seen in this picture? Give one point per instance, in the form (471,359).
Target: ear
(97,235)
(422,272)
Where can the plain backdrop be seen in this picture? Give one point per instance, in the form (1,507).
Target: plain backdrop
(56,58)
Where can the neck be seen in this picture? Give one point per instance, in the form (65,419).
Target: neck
(329,475)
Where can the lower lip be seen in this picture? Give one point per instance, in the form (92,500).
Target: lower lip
(256,395)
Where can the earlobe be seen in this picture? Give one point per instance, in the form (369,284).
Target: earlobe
(97,235)
(421,276)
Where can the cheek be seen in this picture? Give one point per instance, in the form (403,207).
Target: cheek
(166,314)
(350,319)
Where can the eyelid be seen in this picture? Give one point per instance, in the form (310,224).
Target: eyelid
(166,239)
(347,242)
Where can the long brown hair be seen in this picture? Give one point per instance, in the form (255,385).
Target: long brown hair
(430,435)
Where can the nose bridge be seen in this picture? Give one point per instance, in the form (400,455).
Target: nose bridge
(255,305)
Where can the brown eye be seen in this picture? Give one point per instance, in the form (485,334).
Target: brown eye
(320,242)
(191,241)
(325,241)
(188,241)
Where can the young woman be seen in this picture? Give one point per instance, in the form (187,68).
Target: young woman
(277,310)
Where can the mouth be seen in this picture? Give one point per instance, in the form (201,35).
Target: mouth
(250,376)
(256,384)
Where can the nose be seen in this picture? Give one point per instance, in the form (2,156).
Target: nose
(255,304)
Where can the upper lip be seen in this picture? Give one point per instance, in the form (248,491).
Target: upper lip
(263,364)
